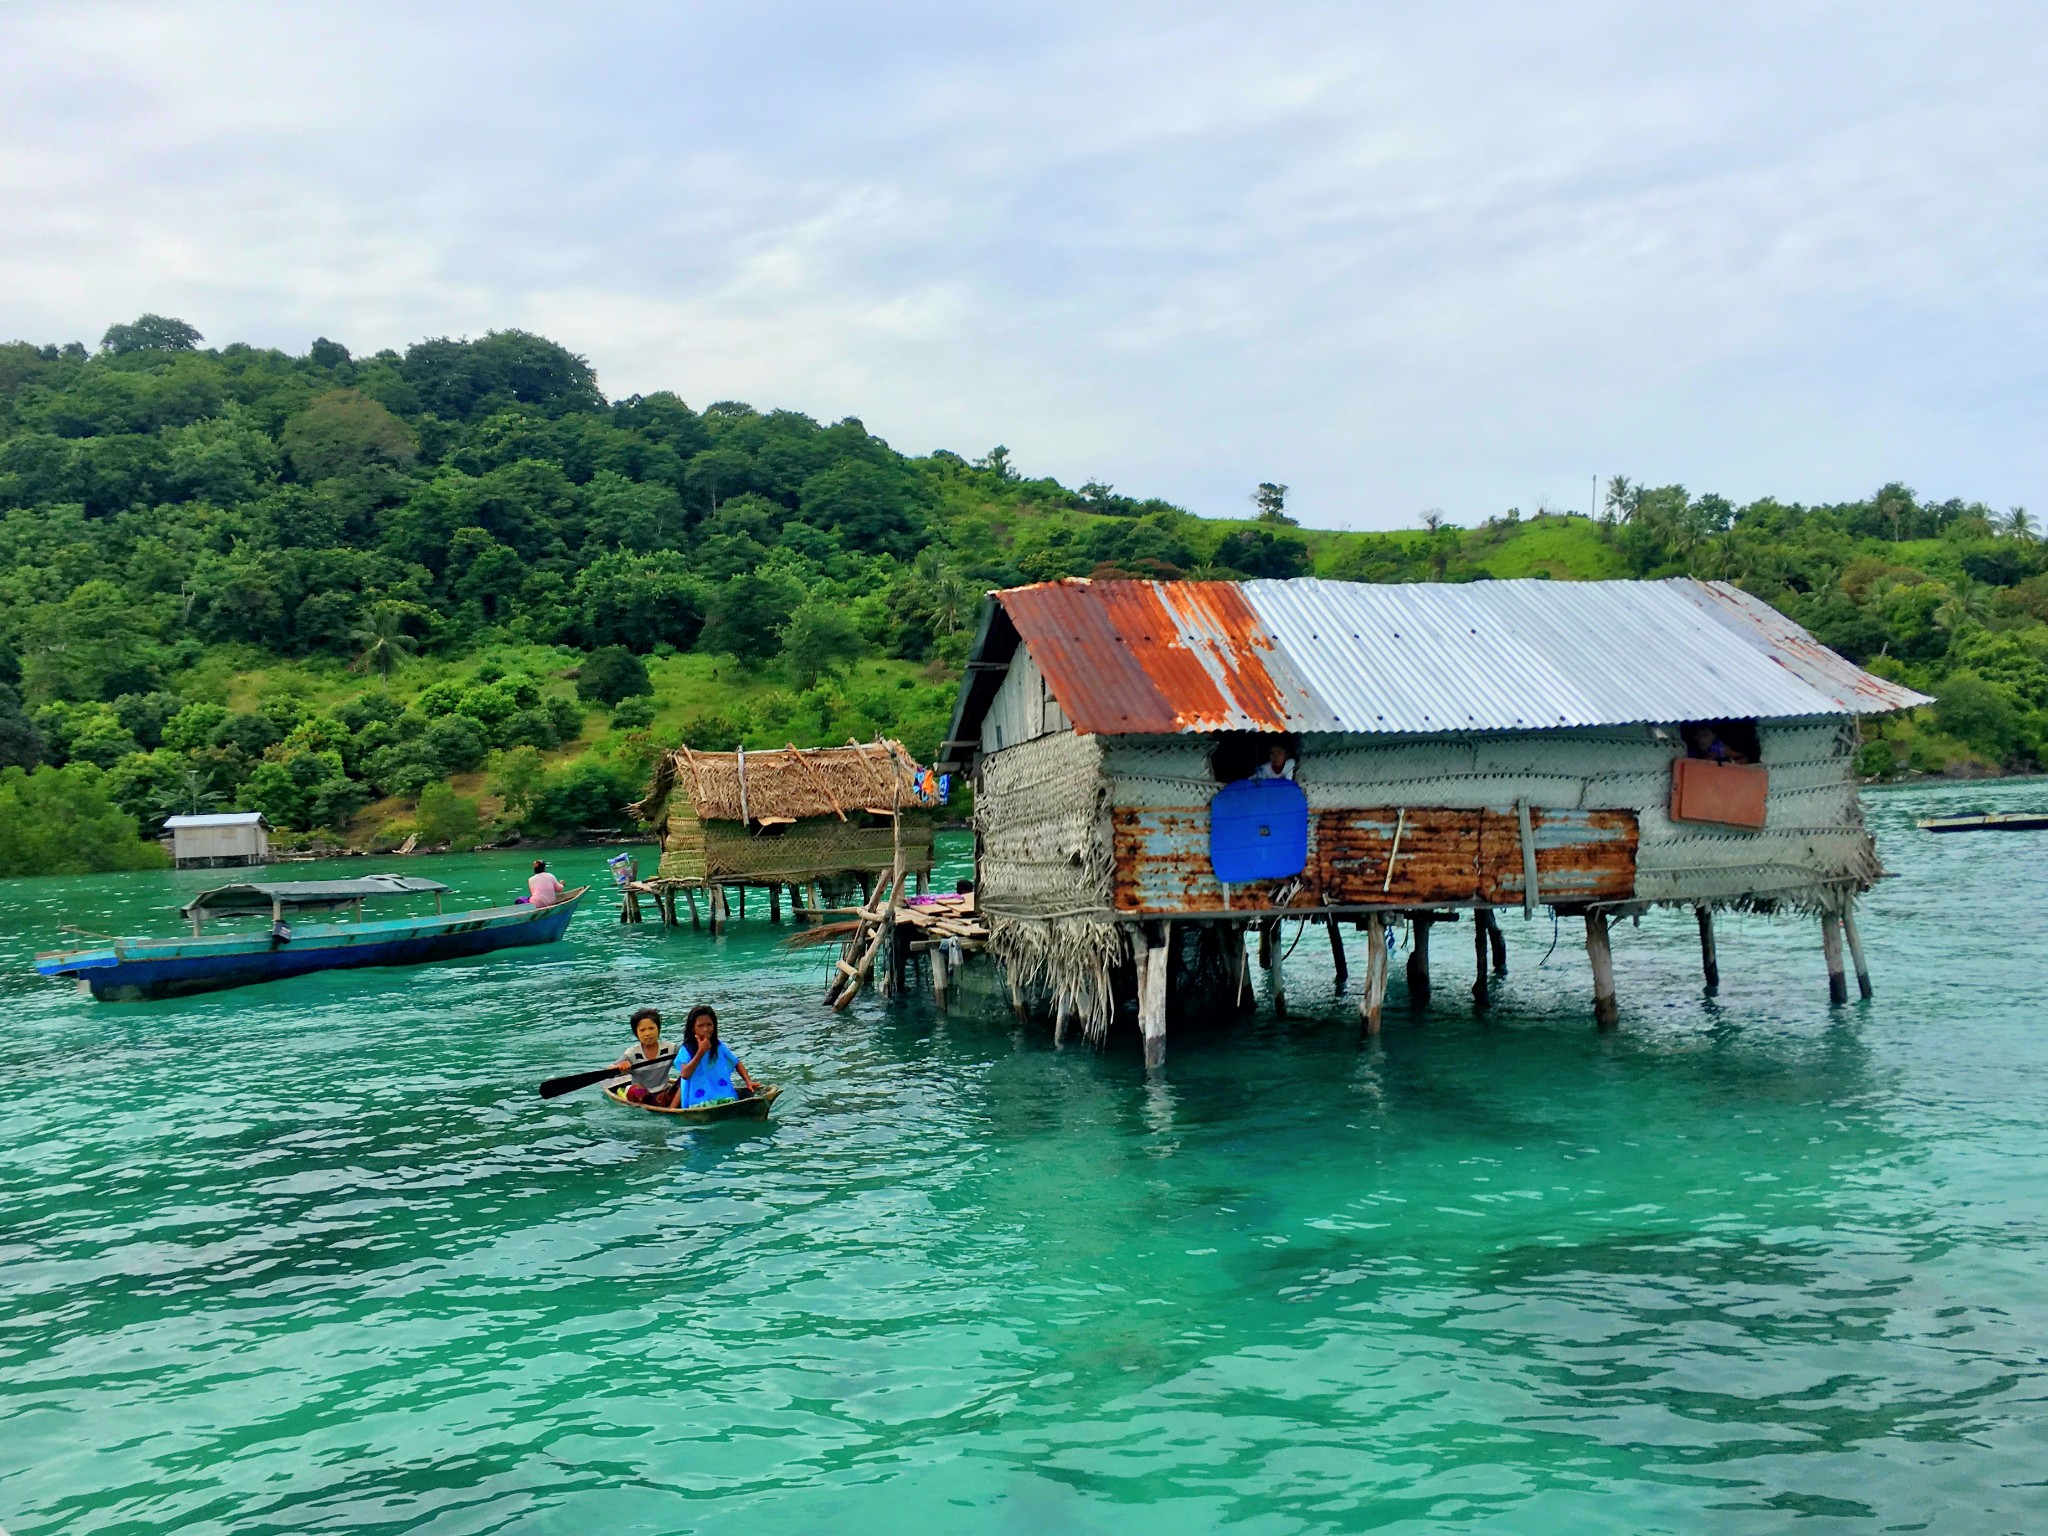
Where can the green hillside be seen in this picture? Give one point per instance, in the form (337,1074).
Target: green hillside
(458,591)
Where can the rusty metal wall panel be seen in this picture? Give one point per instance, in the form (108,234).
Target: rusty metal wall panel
(1446,858)
(1162,860)
(1580,856)
(1437,859)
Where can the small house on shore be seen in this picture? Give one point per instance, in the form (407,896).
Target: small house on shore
(817,820)
(220,840)
(1596,748)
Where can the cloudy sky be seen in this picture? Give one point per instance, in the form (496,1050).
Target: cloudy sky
(1400,257)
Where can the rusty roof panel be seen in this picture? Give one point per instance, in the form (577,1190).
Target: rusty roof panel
(1855,690)
(1157,658)
(1166,658)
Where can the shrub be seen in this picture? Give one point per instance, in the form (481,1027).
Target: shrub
(60,821)
(1977,712)
(634,714)
(457,743)
(446,817)
(612,673)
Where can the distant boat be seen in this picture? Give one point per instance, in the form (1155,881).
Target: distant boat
(2003,821)
(130,970)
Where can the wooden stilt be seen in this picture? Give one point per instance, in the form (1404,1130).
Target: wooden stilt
(1276,971)
(1418,963)
(1710,965)
(1498,942)
(1606,1013)
(1831,947)
(1337,951)
(1016,995)
(774,902)
(743,899)
(1863,988)
(923,877)
(1266,944)
(1374,996)
(1152,969)
(1059,1024)
(1481,973)
(691,893)
(716,898)
(941,975)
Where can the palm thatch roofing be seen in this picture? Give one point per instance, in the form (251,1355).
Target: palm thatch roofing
(789,783)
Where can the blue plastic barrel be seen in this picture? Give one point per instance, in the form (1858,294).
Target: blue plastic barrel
(1258,830)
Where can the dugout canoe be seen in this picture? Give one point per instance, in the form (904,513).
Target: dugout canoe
(133,970)
(754,1108)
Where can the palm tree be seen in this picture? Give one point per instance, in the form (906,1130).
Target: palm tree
(2019,523)
(382,641)
(187,793)
(1624,498)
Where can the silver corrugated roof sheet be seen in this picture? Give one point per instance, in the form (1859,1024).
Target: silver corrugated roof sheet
(1128,657)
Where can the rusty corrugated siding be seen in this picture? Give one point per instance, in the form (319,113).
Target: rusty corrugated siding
(1446,856)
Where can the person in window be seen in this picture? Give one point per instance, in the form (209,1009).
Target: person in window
(1279,763)
(1702,742)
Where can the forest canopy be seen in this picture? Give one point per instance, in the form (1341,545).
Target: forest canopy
(318,585)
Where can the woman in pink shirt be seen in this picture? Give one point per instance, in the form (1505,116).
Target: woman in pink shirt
(542,888)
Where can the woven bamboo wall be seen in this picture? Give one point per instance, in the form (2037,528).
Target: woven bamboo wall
(810,850)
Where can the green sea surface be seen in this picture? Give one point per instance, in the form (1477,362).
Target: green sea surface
(314,1257)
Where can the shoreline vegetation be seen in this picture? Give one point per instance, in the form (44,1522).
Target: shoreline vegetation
(457,593)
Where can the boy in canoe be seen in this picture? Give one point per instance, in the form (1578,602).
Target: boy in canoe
(708,1075)
(649,1060)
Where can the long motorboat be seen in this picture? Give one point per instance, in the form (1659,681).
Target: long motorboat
(131,970)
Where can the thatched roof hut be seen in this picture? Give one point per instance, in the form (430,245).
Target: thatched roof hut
(789,815)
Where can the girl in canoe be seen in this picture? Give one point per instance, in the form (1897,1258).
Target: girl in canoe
(708,1075)
(649,1060)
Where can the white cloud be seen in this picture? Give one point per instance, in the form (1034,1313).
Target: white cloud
(1461,257)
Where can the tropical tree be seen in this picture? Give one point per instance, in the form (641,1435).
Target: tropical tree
(188,792)
(1271,500)
(382,645)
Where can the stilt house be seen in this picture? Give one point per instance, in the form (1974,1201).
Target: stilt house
(1596,748)
(818,820)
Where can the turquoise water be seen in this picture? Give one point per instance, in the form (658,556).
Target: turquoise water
(313,1256)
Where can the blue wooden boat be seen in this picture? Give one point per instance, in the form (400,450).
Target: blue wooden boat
(130,970)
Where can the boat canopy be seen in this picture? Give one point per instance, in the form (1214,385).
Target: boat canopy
(299,895)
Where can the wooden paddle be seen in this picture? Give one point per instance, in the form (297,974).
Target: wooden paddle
(555,1087)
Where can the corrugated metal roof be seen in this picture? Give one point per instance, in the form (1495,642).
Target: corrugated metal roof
(216,819)
(1161,658)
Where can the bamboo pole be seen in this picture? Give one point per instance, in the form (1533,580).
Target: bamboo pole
(1482,997)
(1710,964)
(1373,998)
(1831,948)
(1152,969)
(1606,1012)
(1418,962)
(895,853)
(1863,988)
(1277,970)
